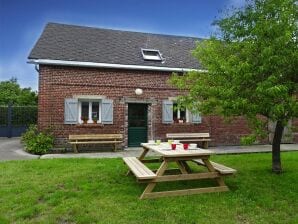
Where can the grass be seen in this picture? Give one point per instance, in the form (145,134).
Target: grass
(97,191)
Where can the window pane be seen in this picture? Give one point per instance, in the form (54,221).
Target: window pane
(85,110)
(182,114)
(95,110)
(175,112)
(151,54)
(179,113)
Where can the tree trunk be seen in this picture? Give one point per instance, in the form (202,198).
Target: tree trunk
(276,162)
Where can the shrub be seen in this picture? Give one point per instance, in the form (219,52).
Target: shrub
(29,134)
(37,142)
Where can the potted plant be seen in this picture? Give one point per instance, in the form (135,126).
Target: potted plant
(84,119)
(94,120)
(182,120)
(94,117)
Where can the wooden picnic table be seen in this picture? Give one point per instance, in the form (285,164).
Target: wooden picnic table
(180,157)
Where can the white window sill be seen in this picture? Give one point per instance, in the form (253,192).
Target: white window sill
(89,125)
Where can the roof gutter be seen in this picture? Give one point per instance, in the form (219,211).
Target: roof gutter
(107,65)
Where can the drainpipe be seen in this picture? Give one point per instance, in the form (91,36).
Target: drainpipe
(152,125)
(36,67)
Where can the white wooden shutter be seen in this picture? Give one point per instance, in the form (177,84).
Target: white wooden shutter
(196,118)
(167,112)
(107,111)
(70,111)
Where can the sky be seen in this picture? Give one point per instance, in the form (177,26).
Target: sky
(22,22)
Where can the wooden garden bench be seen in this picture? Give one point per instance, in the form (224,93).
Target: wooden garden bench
(222,169)
(138,168)
(85,139)
(191,137)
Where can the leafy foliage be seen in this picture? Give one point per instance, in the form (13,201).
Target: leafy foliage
(29,134)
(10,91)
(252,66)
(37,142)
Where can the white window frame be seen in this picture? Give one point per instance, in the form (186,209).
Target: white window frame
(158,57)
(90,101)
(187,114)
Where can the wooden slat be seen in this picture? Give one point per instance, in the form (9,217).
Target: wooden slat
(223,169)
(192,176)
(184,192)
(119,135)
(151,160)
(95,139)
(196,140)
(164,149)
(95,142)
(95,136)
(191,137)
(138,168)
(188,135)
(218,167)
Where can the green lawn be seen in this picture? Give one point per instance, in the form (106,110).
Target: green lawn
(97,191)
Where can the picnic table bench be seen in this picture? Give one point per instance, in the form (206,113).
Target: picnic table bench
(224,170)
(141,171)
(85,139)
(191,137)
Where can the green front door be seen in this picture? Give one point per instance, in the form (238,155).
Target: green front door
(137,123)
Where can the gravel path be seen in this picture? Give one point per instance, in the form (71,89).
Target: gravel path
(12,149)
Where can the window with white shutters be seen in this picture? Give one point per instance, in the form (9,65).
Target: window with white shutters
(88,111)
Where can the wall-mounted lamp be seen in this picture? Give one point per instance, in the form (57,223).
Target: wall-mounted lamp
(139,91)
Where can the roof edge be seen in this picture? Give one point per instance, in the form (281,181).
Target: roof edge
(108,65)
(126,30)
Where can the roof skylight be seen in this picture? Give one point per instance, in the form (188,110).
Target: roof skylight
(151,54)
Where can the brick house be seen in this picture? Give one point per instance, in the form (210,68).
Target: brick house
(120,80)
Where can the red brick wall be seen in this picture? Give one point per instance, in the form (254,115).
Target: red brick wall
(57,83)
(295,130)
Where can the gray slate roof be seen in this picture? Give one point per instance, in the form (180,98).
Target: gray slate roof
(86,44)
